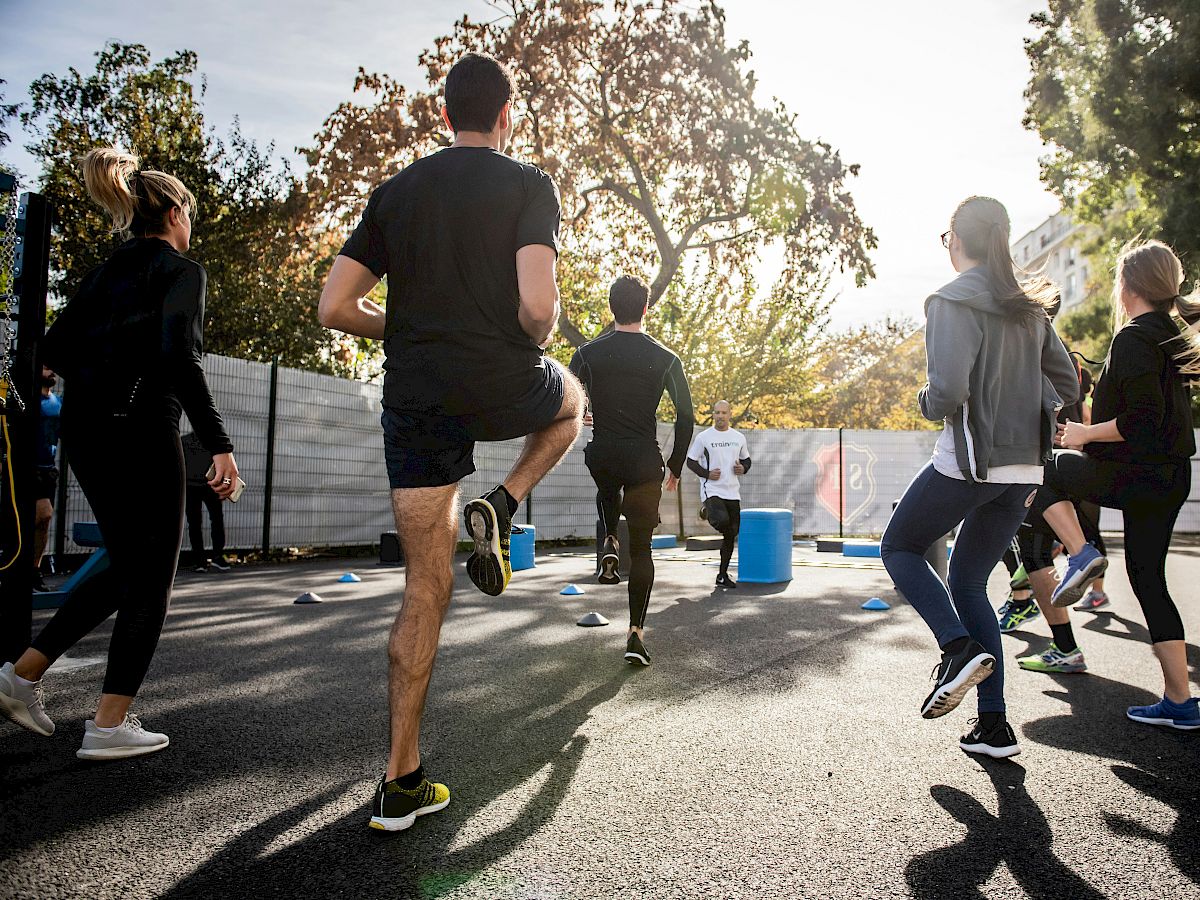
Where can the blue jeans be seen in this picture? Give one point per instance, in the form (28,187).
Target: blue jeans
(990,514)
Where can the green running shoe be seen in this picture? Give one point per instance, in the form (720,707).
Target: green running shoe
(1054,660)
(1015,613)
(1019,580)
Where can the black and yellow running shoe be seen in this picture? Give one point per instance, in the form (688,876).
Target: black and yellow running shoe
(490,526)
(396,808)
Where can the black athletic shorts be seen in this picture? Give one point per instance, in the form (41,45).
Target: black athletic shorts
(430,449)
(46,483)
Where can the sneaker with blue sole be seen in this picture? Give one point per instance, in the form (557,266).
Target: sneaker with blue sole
(1082,569)
(1015,613)
(1184,716)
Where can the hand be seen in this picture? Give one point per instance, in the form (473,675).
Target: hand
(714,474)
(225,479)
(672,481)
(1074,435)
(739,469)
(587,417)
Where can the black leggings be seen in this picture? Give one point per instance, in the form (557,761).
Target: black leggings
(1150,498)
(725,516)
(132,475)
(201,495)
(1036,540)
(629,476)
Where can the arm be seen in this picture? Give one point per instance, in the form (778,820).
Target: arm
(952,341)
(1075,435)
(1136,366)
(538,291)
(581,370)
(685,418)
(344,306)
(695,466)
(1058,367)
(742,466)
(182,340)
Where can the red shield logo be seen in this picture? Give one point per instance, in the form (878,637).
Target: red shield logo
(845,483)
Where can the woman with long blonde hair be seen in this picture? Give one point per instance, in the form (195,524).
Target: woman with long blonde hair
(1135,456)
(128,347)
(998,374)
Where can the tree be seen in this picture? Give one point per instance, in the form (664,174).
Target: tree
(870,376)
(1115,91)
(7,111)
(262,264)
(648,122)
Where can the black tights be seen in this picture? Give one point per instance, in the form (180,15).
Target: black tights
(201,495)
(725,516)
(132,475)
(620,470)
(1150,498)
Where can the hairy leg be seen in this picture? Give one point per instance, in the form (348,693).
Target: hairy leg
(427,524)
(544,449)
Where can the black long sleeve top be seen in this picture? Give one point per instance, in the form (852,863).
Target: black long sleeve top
(1141,388)
(129,343)
(625,374)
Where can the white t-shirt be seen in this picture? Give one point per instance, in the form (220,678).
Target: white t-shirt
(719,450)
(945,462)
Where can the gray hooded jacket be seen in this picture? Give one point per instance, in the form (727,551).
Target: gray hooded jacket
(997,382)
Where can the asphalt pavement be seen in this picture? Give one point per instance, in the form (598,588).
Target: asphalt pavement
(773,750)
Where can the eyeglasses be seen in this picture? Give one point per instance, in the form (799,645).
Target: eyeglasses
(946,238)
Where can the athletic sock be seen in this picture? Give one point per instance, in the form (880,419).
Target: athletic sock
(513,505)
(412,780)
(1022,602)
(958,645)
(989,720)
(1064,637)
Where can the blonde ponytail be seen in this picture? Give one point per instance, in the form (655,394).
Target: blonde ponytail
(106,173)
(137,202)
(1152,271)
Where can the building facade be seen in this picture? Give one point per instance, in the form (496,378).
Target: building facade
(1055,247)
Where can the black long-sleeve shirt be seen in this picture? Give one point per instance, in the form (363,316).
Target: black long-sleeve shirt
(130,341)
(625,373)
(1142,389)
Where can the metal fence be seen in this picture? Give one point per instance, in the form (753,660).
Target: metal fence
(329,487)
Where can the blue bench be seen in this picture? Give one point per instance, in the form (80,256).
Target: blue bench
(85,534)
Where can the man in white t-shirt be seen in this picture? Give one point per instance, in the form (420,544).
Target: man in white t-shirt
(719,456)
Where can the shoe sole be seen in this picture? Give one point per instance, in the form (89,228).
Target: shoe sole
(485,566)
(989,750)
(1018,625)
(632,657)
(946,699)
(379,823)
(609,567)
(1050,670)
(1170,723)
(104,753)
(18,712)
(1104,607)
(1070,592)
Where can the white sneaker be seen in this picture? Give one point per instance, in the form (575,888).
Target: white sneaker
(21,701)
(127,739)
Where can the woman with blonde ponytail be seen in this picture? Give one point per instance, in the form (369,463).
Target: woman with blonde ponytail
(128,346)
(998,374)
(1135,456)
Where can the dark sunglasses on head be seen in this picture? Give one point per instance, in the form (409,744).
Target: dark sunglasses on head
(946,238)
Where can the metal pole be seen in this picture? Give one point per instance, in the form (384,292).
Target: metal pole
(841,486)
(529,507)
(32,283)
(268,480)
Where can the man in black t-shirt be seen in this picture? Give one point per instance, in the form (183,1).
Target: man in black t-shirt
(468,239)
(625,372)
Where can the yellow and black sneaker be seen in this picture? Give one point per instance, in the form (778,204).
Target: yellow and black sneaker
(489,524)
(396,808)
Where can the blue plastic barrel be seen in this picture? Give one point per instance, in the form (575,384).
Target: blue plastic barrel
(765,546)
(520,548)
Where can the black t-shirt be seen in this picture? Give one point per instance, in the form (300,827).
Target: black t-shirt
(1142,389)
(625,374)
(445,231)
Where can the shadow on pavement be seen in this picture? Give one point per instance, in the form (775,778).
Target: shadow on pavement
(1018,836)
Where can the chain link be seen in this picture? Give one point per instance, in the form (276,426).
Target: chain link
(8,299)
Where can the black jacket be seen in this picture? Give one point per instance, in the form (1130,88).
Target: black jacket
(129,342)
(1142,389)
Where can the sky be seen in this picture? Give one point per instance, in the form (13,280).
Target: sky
(926,97)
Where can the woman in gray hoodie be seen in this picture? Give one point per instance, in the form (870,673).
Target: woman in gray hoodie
(998,375)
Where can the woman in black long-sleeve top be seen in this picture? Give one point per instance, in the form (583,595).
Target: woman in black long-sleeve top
(1136,457)
(129,348)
